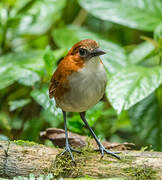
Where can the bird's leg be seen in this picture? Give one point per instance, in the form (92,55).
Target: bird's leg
(68,148)
(101,147)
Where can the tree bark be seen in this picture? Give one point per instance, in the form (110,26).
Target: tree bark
(23,158)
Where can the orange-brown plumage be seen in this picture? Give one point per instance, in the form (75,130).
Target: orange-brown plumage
(86,43)
(59,81)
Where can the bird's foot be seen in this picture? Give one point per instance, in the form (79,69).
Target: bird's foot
(102,149)
(69,149)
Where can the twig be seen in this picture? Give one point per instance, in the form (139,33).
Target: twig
(4,31)
(80,17)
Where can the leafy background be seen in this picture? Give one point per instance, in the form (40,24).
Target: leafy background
(35,34)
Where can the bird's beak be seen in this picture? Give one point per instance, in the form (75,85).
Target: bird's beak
(97,52)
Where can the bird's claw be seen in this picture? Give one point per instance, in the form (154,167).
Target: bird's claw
(70,150)
(74,150)
(102,149)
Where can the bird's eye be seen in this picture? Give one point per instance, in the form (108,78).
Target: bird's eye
(83,52)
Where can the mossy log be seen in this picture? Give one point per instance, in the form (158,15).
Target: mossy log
(21,159)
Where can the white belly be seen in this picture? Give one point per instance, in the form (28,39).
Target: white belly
(86,87)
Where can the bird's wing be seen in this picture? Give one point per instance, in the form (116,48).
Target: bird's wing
(53,86)
(59,80)
(54,83)
(59,83)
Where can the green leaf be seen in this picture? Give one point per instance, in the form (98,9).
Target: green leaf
(41,16)
(152,60)
(7,76)
(52,120)
(51,114)
(49,60)
(159,96)
(75,124)
(146,119)
(19,67)
(41,96)
(141,52)
(28,77)
(138,14)
(17,123)
(5,121)
(18,103)
(115,58)
(11,74)
(158,35)
(131,85)
(31,133)
(122,122)
(32,60)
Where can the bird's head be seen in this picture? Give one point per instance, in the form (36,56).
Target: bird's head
(86,49)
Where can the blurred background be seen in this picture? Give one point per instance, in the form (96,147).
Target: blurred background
(35,34)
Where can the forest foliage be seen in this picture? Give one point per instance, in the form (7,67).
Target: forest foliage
(35,34)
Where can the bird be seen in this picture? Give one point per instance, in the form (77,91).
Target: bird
(78,84)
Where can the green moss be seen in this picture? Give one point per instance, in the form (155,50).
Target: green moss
(63,166)
(127,159)
(141,172)
(124,159)
(89,147)
(24,143)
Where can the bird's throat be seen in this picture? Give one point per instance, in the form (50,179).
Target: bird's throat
(93,63)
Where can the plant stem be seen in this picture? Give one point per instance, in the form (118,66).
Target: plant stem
(79,20)
(4,32)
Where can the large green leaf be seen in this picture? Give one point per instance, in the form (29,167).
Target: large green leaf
(32,60)
(139,14)
(20,67)
(50,114)
(27,77)
(68,36)
(18,103)
(131,85)
(31,133)
(9,75)
(49,61)
(41,96)
(41,16)
(146,118)
(141,52)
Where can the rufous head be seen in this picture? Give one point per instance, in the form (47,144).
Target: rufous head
(86,49)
